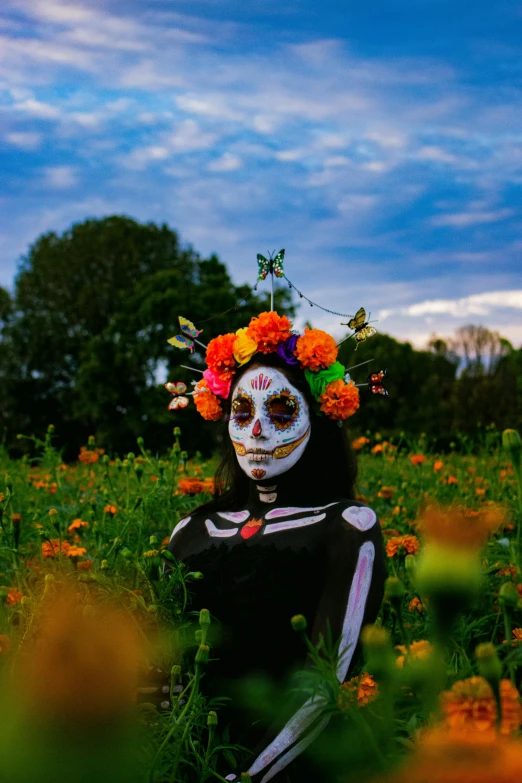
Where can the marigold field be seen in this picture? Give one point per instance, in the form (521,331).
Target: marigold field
(102,655)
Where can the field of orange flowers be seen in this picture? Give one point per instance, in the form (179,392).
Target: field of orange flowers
(101,667)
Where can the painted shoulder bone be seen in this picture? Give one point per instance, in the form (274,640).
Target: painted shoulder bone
(361,517)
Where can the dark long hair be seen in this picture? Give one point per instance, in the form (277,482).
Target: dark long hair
(327,469)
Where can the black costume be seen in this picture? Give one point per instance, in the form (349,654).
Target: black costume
(289,551)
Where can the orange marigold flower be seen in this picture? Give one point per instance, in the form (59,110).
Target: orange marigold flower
(470,706)
(13,596)
(220,356)
(378,448)
(5,644)
(340,400)
(206,402)
(89,456)
(268,330)
(362,689)
(386,493)
(112,510)
(84,565)
(416,605)
(480,491)
(76,524)
(517,634)
(191,486)
(511,571)
(16,519)
(457,526)
(417,459)
(408,544)
(316,350)
(75,551)
(443,757)
(452,480)
(438,465)
(209,486)
(419,651)
(358,443)
(52,547)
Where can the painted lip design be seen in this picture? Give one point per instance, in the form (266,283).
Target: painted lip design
(258,455)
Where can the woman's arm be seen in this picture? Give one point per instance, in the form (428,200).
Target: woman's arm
(351,598)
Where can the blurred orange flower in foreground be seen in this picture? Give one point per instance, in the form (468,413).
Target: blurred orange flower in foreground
(443,758)
(458,526)
(470,706)
(5,644)
(82,665)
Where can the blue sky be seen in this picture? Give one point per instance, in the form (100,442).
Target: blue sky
(379,143)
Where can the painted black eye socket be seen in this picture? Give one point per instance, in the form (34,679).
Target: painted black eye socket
(242,410)
(282,409)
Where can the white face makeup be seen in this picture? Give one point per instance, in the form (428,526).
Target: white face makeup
(269,423)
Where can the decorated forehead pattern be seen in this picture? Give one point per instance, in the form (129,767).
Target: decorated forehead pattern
(261,382)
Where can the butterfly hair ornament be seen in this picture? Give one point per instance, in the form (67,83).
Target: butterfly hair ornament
(314,351)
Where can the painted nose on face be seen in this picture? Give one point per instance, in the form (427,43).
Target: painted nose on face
(257,431)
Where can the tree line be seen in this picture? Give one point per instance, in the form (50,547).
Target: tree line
(83,345)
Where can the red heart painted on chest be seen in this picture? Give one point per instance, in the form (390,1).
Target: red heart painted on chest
(251,527)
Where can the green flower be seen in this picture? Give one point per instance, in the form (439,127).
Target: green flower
(318,381)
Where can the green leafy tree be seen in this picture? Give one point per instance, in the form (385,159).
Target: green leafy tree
(420,385)
(93,309)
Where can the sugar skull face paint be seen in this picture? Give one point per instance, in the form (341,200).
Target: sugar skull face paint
(269,423)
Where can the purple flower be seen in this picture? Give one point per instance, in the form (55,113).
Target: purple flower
(286,350)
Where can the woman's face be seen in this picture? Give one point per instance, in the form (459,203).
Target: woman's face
(269,423)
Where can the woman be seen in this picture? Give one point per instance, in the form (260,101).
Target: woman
(282,536)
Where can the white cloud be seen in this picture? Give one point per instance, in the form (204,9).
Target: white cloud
(60,177)
(475,304)
(471,218)
(26,140)
(189,136)
(227,162)
(39,109)
(437,155)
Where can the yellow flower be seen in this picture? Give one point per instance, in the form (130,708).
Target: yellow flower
(419,651)
(244,347)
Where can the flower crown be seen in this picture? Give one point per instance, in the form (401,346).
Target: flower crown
(315,352)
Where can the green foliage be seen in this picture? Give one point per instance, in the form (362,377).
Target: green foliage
(93,309)
(434,391)
(130,507)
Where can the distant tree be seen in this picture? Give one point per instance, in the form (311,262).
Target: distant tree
(480,349)
(419,383)
(6,305)
(93,309)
